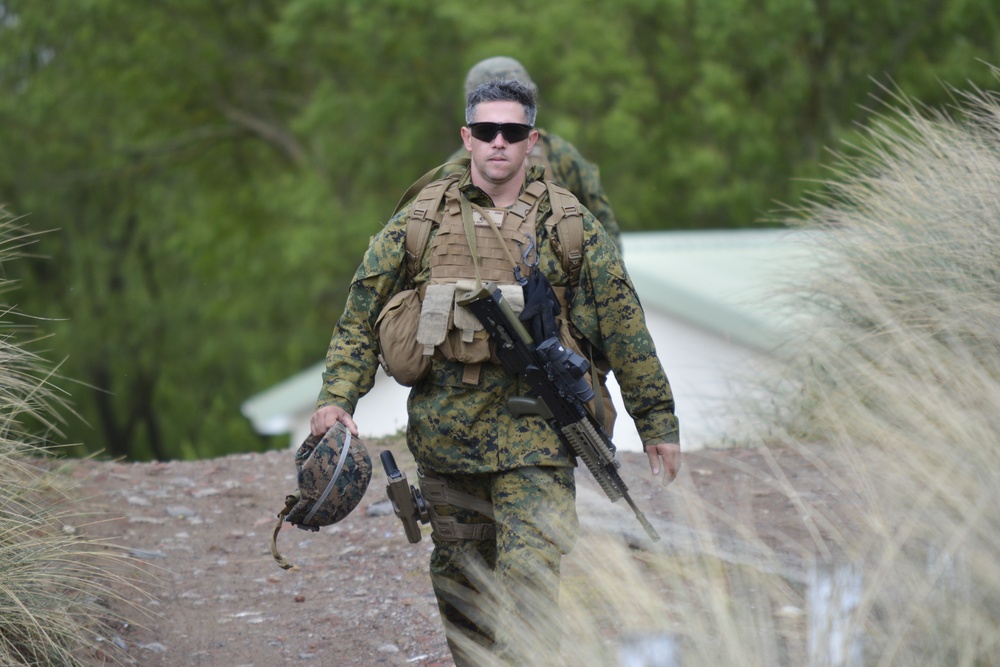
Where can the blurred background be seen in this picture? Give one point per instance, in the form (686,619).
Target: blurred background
(204,175)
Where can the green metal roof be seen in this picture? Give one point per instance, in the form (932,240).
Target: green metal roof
(273,410)
(728,282)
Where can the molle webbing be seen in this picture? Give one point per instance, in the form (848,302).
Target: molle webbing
(451,258)
(447,528)
(566,222)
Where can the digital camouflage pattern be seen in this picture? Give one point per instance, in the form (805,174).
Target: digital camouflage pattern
(497,67)
(524,558)
(457,428)
(316,462)
(573,172)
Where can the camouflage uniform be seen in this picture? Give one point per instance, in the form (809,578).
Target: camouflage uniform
(465,435)
(572,171)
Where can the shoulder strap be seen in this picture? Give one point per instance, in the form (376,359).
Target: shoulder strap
(567,221)
(422,218)
(422,182)
(428,198)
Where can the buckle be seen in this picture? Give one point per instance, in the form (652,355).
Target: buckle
(448,529)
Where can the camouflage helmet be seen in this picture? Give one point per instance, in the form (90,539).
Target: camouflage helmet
(333,475)
(498,67)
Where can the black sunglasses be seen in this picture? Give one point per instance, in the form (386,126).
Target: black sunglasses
(512,132)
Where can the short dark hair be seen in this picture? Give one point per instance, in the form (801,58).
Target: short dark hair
(501,90)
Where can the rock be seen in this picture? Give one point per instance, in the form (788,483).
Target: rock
(381,508)
(180,512)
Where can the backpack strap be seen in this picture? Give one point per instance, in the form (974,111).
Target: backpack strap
(527,201)
(567,220)
(428,199)
(418,225)
(422,182)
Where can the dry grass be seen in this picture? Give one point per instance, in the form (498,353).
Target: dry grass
(897,366)
(54,585)
(691,604)
(901,371)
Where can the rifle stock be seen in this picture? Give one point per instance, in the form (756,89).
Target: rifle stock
(558,403)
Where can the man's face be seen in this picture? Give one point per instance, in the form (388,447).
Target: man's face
(498,161)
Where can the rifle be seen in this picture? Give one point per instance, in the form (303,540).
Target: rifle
(556,376)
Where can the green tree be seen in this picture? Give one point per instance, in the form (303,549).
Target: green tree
(156,140)
(213,170)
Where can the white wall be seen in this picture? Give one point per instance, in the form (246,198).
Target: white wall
(701,368)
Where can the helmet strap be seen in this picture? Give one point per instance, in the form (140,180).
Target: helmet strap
(290,501)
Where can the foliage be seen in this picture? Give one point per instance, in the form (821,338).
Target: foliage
(214,169)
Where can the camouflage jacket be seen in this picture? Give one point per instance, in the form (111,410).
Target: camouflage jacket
(573,172)
(458,428)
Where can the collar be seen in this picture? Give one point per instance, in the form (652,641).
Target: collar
(476,195)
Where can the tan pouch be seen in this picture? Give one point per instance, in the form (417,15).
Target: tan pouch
(435,316)
(400,354)
(473,349)
(468,342)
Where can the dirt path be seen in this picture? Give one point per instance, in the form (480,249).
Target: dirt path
(361,595)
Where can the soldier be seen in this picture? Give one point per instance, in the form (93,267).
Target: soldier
(506,488)
(562,161)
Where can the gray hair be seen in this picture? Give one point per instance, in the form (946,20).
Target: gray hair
(500,90)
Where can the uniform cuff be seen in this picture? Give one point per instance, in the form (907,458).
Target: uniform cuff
(331,396)
(671,438)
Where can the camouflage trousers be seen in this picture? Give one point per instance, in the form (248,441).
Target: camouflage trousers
(499,597)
